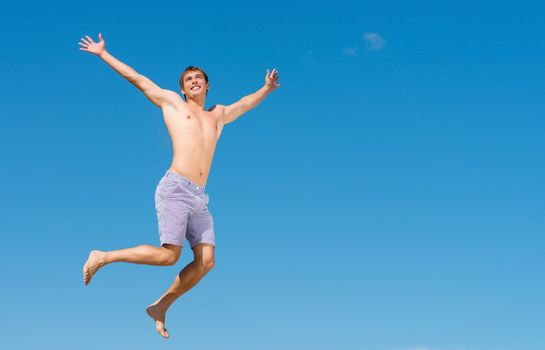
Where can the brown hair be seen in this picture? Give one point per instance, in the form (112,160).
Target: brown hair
(191,69)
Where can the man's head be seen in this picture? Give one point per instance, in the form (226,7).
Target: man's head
(193,82)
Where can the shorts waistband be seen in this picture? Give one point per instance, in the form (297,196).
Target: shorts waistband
(184,181)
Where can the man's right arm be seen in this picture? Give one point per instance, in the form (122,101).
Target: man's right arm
(153,92)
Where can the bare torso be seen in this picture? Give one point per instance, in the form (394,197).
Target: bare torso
(194,133)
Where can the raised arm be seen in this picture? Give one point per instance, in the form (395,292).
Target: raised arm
(153,92)
(246,103)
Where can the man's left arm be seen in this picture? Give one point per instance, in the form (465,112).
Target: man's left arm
(232,112)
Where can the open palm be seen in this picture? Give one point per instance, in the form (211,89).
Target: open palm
(89,45)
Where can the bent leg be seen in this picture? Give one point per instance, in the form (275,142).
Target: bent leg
(165,255)
(202,263)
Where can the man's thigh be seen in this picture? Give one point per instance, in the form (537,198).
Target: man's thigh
(173,206)
(200,228)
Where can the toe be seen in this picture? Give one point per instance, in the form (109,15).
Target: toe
(162,331)
(86,277)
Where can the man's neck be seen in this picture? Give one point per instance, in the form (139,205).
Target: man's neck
(196,103)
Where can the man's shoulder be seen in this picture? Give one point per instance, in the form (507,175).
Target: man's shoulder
(172,94)
(173,98)
(217,108)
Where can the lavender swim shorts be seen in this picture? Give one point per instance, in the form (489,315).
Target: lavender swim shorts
(182,211)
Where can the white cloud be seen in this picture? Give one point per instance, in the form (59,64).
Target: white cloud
(350,51)
(374,42)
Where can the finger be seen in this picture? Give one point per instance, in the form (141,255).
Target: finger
(83,49)
(82,44)
(100,36)
(89,38)
(267,75)
(85,41)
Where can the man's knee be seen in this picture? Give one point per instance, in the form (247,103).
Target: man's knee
(205,265)
(169,259)
(203,257)
(169,255)
(209,264)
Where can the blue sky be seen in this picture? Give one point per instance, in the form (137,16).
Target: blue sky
(388,196)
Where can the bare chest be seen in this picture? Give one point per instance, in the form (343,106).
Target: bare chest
(191,124)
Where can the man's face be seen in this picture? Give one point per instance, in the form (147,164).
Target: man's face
(195,84)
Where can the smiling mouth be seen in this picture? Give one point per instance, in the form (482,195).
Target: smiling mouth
(195,87)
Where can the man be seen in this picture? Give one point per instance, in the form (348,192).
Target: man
(180,199)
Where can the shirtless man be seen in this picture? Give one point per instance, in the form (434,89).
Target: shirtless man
(180,200)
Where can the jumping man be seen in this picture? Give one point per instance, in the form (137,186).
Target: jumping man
(180,200)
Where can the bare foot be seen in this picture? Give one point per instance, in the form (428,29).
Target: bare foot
(158,316)
(93,263)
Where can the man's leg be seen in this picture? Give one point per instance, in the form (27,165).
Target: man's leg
(203,261)
(166,255)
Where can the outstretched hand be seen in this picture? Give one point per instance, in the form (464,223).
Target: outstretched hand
(89,45)
(271,79)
